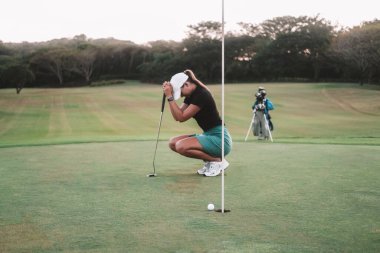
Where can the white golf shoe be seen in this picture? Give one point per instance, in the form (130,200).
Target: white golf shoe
(203,170)
(215,168)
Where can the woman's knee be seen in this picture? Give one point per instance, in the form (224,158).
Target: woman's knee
(181,147)
(172,143)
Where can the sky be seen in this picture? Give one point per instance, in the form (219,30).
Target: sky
(142,21)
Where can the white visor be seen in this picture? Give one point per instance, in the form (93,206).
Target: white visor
(177,81)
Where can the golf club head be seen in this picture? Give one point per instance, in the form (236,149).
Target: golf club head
(152,175)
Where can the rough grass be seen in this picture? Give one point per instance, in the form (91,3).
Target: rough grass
(299,194)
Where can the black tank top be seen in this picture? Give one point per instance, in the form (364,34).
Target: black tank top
(208,116)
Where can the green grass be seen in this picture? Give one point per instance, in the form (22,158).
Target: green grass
(97,198)
(89,191)
(305,113)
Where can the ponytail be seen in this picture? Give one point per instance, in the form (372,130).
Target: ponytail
(193,79)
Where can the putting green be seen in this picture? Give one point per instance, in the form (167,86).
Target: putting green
(73,166)
(96,197)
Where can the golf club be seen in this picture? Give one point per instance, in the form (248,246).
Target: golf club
(158,135)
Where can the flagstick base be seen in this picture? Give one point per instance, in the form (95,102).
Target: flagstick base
(220,210)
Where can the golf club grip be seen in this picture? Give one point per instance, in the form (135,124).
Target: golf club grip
(163,103)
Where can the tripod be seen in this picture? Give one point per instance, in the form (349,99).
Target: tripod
(250,126)
(266,126)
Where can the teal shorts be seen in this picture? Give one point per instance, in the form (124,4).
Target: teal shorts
(211,141)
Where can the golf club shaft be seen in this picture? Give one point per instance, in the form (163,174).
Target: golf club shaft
(158,133)
(163,103)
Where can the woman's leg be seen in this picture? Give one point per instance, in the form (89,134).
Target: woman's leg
(190,147)
(173,141)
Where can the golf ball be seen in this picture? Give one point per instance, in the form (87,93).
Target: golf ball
(210,207)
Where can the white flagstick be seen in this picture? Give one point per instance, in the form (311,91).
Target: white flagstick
(223,104)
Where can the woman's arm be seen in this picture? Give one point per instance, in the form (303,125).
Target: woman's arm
(184,113)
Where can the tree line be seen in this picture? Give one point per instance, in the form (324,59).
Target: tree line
(280,49)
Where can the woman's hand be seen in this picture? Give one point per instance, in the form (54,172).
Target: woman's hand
(168,89)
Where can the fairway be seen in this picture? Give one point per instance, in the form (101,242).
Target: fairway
(73,166)
(304,113)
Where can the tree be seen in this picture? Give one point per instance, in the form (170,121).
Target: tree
(163,58)
(17,76)
(240,52)
(202,50)
(205,30)
(81,61)
(14,70)
(373,30)
(272,28)
(359,47)
(119,59)
(52,60)
(315,40)
(297,46)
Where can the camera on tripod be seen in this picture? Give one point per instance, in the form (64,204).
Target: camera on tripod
(260,101)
